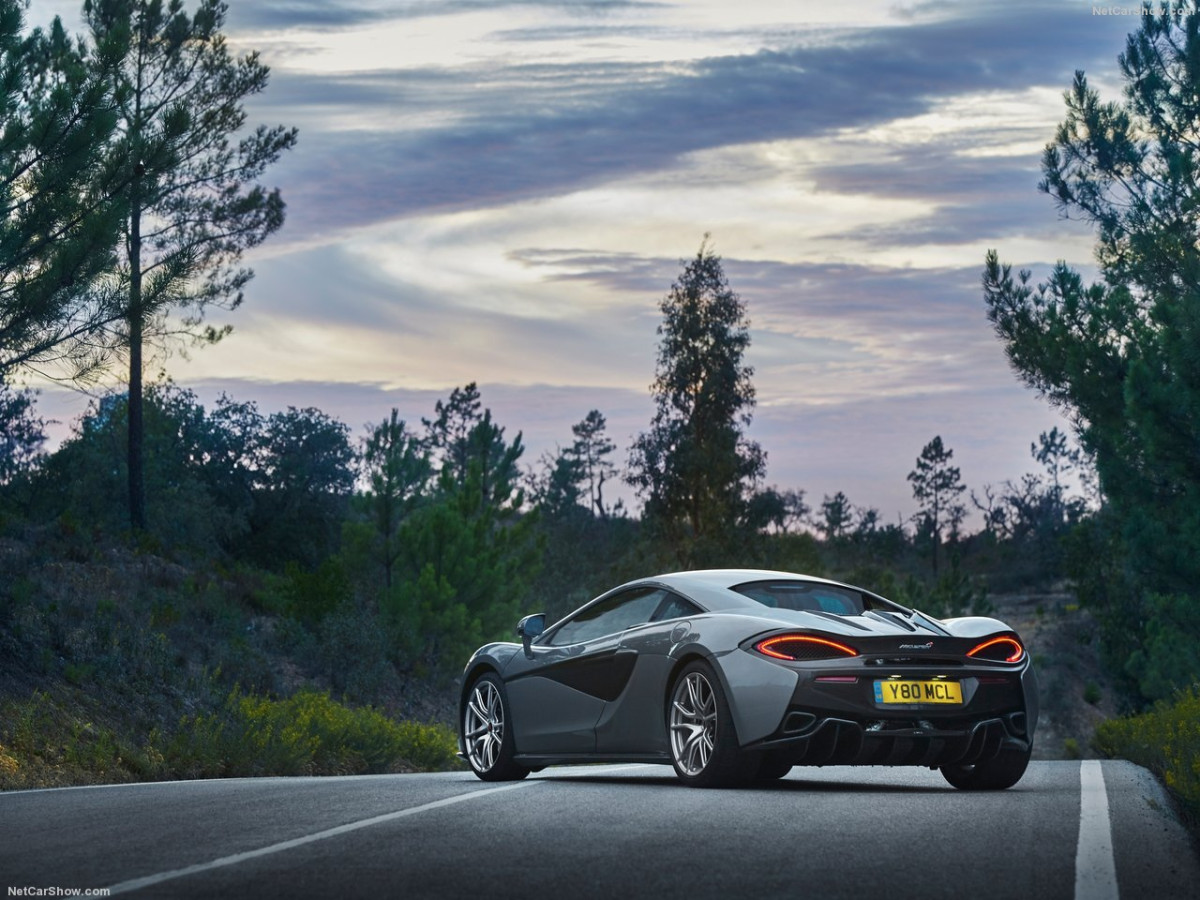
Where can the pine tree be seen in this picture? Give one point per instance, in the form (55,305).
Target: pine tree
(398,472)
(937,486)
(837,516)
(592,448)
(694,468)
(1120,356)
(59,206)
(192,199)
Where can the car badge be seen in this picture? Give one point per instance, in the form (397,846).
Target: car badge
(927,646)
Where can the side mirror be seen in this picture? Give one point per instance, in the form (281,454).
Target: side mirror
(529,628)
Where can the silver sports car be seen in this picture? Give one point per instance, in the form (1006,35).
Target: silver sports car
(732,675)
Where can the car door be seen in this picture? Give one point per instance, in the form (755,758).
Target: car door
(635,722)
(557,696)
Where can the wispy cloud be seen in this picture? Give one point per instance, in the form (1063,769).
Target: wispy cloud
(283,14)
(521,132)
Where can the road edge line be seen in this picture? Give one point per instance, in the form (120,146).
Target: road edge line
(1095,868)
(135,884)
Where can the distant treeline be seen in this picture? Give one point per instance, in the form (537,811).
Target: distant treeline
(441,534)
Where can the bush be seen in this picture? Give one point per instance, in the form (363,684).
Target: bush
(48,741)
(1165,740)
(306,734)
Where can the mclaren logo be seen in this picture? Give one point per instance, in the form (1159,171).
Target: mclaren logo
(928,646)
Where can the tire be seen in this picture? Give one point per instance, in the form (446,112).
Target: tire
(703,740)
(772,768)
(1000,772)
(487,731)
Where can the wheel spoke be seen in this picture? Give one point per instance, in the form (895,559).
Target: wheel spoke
(495,713)
(476,706)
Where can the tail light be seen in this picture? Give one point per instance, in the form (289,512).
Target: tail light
(1001,649)
(803,648)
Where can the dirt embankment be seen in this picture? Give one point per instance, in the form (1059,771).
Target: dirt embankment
(1075,689)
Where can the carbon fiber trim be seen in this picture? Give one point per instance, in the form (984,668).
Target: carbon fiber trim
(602,675)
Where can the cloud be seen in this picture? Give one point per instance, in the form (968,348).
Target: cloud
(784,296)
(283,14)
(828,335)
(522,132)
(336,309)
(624,273)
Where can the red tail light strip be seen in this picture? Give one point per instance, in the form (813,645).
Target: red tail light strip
(766,646)
(1016,654)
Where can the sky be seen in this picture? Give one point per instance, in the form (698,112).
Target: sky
(503,192)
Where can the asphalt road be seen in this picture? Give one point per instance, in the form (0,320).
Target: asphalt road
(610,832)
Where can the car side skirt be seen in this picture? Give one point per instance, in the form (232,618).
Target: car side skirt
(536,761)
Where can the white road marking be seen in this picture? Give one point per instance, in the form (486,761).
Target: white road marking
(1095,870)
(149,880)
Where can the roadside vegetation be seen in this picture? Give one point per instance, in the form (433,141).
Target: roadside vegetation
(1166,740)
(195,591)
(54,740)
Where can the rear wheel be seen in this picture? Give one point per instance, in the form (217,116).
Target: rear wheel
(487,732)
(1001,771)
(704,744)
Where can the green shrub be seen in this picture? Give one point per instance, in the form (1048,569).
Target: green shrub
(1165,740)
(26,721)
(306,734)
(92,748)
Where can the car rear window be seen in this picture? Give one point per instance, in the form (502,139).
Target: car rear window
(805,595)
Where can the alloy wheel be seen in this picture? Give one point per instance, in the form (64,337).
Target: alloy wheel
(483,726)
(693,723)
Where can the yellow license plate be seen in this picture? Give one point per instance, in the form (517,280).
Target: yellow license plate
(897,691)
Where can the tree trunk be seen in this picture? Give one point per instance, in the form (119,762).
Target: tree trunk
(136,449)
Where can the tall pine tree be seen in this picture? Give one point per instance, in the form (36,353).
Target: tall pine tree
(1121,356)
(191,166)
(694,468)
